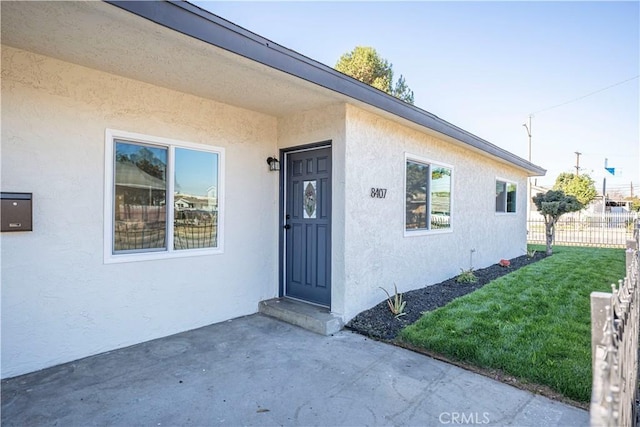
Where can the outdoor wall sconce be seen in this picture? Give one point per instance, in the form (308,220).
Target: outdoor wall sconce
(274,164)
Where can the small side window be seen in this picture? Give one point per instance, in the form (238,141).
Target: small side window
(506,197)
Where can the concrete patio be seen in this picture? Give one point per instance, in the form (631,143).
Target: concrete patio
(260,371)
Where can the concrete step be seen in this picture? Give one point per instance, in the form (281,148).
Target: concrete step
(313,318)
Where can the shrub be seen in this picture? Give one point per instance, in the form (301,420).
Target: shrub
(467,276)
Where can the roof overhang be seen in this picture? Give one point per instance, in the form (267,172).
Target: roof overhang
(182,47)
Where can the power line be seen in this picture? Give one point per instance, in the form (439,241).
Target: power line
(584,96)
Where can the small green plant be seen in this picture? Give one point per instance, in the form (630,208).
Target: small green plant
(395,303)
(467,276)
(531,253)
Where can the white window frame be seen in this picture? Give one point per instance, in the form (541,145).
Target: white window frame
(430,163)
(170,144)
(506,182)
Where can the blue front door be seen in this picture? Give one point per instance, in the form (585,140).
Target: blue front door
(308,225)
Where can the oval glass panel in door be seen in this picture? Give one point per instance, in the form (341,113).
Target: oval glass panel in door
(309,199)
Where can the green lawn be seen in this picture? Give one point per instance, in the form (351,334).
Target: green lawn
(533,324)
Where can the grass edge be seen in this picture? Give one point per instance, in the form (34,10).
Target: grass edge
(496,375)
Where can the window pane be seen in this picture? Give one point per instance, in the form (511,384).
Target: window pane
(416,207)
(511,197)
(501,200)
(140,197)
(195,199)
(440,197)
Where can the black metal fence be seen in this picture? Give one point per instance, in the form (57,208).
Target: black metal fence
(192,236)
(611,230)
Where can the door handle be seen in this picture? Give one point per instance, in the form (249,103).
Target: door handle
(287,226)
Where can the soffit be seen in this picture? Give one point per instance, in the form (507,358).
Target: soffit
(100,36)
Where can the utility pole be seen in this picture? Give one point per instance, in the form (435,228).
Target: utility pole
(528,128)
(604,190)
(578,163)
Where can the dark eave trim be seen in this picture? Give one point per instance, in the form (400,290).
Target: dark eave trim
(192,21)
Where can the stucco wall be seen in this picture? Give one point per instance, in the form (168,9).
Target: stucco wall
(316,126)
(60,301)
(377,253)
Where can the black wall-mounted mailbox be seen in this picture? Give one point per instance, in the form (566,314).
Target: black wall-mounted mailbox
(16,212)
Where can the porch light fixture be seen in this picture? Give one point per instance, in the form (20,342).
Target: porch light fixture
(274,164)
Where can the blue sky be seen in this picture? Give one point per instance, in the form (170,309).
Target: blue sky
(196,171)
(485,66)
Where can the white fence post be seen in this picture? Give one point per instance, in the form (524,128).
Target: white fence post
(600,302)
(615,325)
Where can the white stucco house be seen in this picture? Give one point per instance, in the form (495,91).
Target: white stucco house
(112,110)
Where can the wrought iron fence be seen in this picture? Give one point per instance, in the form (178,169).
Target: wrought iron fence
(139,235)
(145,227)
(583,229)
(615,321)
(192,236)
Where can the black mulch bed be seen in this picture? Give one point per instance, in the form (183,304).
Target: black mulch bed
(379,323)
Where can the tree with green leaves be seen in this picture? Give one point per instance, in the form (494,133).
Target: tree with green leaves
(401,90)
(364,64)
(635,203)
(552,205)
(580,186)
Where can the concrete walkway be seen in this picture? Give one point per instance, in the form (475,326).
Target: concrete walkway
(257,371)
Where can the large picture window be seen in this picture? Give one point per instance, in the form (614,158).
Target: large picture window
(505,196)
(428,195)
(164,198)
